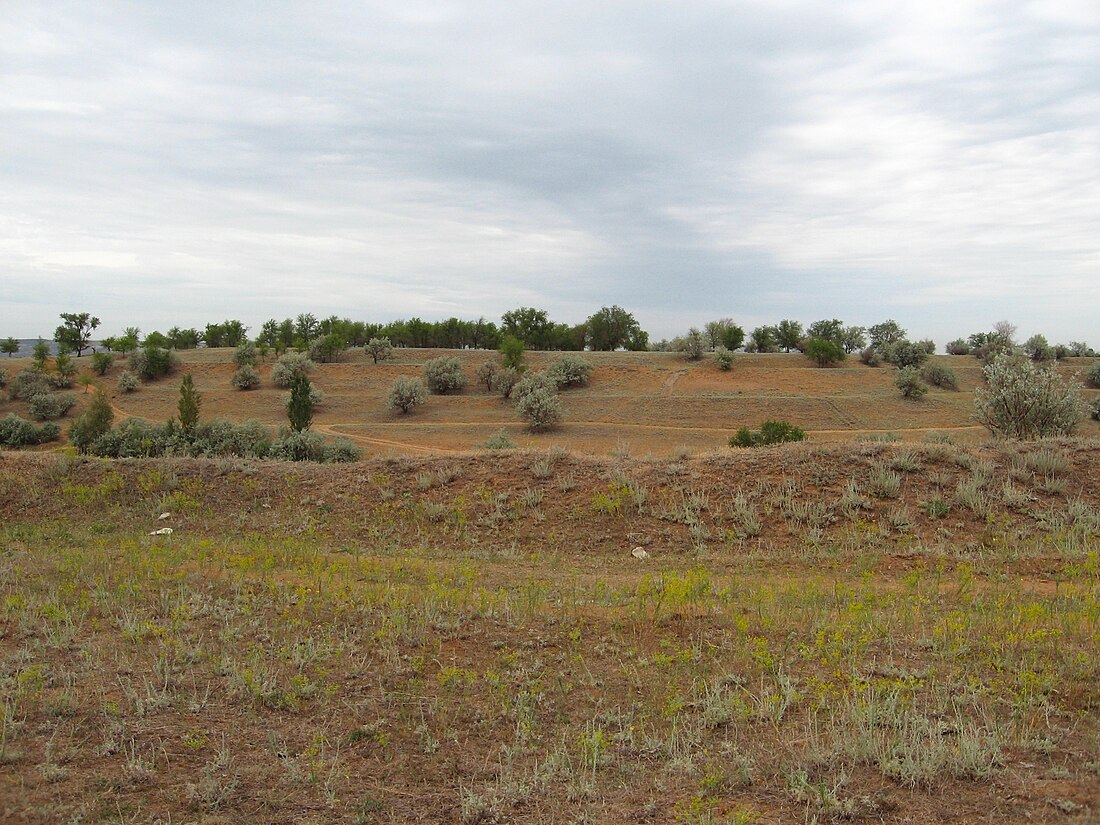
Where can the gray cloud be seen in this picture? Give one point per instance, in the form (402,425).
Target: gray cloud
(176,163)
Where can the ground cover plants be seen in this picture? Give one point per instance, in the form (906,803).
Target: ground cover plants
(874,632)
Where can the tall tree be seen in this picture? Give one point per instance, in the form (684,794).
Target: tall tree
(10,346)
(788,334)
(76,331)
(299,409)
(610,328)
(189,404)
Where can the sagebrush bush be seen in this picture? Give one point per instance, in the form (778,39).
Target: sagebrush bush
(47,407)
(18,432)
(531,382)
(570,371)
(909,382)
(379,349)
(485,374)
(958,347)
(406,394)
(693,345)
(444,374)
(1026,400)
(288,366)
(723,358)
(499,441)
(245,355)
(306,445)
(101,362)
(245,378)
(1092,375)
(505,380)
(940,376)
(906,353)
(29,383)
(770,432)
(128,382)
(540,407)
(870,356)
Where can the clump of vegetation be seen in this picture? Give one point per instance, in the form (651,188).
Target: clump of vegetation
(306,445)
(570,371)
(1026,400)
(406,394)
(540,406)
(1094,409)
(870,356)
(18,432)
(940,376)
(532,382)
(27,384)
(48,406)
(101,362)
(499,441)
(327,348)
(505,380)
(444,374)
(905,353)
(299,407)
(908,380)
(290,365)
(245,355)
(245,378)
(1092,376)
(1037,348)
(770,432)
(64,371)
(189,404)
(824,352)
(3,379)
(723,358)
(958,347)
(92,423)
(485,374)
(693,345)
(379,349)
(511,350)
(153,362)
(128,382)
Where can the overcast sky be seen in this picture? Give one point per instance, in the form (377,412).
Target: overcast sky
(178,163)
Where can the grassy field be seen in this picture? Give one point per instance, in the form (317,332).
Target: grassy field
(873,632)
(645,404)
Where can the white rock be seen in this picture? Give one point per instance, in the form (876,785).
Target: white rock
(163,531)
(639,553)
(163,516)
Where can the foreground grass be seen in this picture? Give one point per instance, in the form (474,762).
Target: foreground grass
(392,664)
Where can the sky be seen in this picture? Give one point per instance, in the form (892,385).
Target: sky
(174,164)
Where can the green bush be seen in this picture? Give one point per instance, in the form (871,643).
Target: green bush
(1037,348)
(485,374)
(770,432)
(379,349)
(908,381)
(1092,376)
(906,353)
(18,432)
(444,374)
(540,407)
(128,382)
(824,352)
(288,366)
(505,380)
(48,407)
(870,357)
(152,363)
(406,394)
(1026,400)
(101,362)
(499,441)
(306,445)
(958,347)
(723,358)
(299,406)
(327,348)
(511,350)
(245,354)
(29,383)
(570,371)
(940,376)
(93,423)
(245,378)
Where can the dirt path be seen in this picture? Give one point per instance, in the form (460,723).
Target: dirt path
(330,429)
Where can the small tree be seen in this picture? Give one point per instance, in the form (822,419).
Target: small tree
(444,374)
(958,347)
(10,346)
(870,357)
(245,378)
(724,359)
(189,404)
(908,381)
(505,380)
(906,353)
(541,407)
(940,376)
(379,349)
(299,409)
(570,371)
(101,362)
(1037,348)
(824,352)
(66,370)
(694,345)
(245,354)
(1025,400)
(511,350)
(85,380)
(485,374)
(75,333)
(93,423)
(40,354)
(406,394)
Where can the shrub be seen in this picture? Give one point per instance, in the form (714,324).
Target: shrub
(1027,401)
(770,432)
(189,404)
(485,374)
(511,350)
(906,353)
(824,352)
(290,365)
(128,382)
(66,370)
(958,347)
(340,451)
(1037,348)
(29,383)
(101,362)
(379,349)
(1094,408)
(406,393)
(444,374)
(245,378)
(499,441)
(908,381)
(299,407)
(48,407)
(940,376)
(3,378)
(693,345)
(327,348)
(245,354)
(570,371)
(18,432)
(531,382)
(1092,376)
(505,380)
(541,407)
(723,358)
(305,445)
(870,357)
(152,363)
(93,423)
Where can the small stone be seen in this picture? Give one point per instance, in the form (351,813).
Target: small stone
(163,516)
(163,531)
(639,553)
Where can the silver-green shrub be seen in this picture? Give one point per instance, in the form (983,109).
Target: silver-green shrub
(1026,400)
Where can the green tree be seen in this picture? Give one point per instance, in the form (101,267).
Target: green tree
(94,422)
(610,328)
(189,404)
(824,352)
(299,408)
(379,349)
(74,334)
(788,334)
(532,326)
(884,334)
(40,354)
(10,346)
(511,350)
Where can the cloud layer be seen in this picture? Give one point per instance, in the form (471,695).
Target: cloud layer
(179,163)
